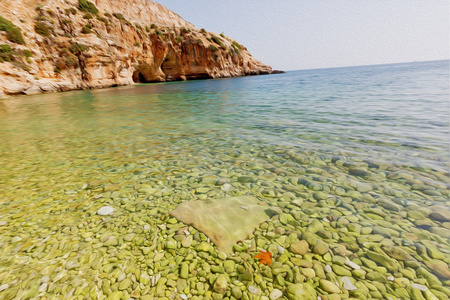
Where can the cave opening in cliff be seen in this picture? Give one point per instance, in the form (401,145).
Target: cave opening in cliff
(141,79)
(142,73)
(170,66)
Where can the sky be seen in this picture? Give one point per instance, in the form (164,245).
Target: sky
(300,34)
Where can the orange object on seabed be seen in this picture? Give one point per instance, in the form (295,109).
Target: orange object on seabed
(265,257)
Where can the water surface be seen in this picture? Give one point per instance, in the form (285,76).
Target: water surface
(373,140)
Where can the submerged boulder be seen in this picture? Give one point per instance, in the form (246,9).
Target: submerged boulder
(225,221)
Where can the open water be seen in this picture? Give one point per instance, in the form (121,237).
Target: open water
(360,152)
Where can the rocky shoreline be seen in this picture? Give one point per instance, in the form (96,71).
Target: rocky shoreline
(74,45)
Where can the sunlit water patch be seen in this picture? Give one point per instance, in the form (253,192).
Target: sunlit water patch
(356,159)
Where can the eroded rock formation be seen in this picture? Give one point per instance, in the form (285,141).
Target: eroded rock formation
(77,44)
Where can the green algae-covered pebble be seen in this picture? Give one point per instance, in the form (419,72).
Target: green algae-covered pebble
(308,273)
(300,292)
(170,244)
(229,266)
(203,246)
(319,270)
(184,270)
(217,269)
(320,195)
(430,278)
(329,287)
(310,238)
(117,295)
(341,271)
(236,292)
(299,247)
(383,260)
(360,273)
(321,247)
(220,284)
(124,284)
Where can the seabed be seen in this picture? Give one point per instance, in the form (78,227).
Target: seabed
(344,229)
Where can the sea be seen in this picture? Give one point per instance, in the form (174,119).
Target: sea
(361,152)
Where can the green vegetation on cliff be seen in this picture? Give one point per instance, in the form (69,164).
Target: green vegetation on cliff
(12,32)
(87,6)
(42,28)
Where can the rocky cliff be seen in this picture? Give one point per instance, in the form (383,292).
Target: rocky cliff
(61,45)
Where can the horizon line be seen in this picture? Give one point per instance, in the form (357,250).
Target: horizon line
(376,64)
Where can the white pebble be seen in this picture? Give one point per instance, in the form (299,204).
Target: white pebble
(280,250)
(105,210)
(146,227)
(2,223)
(226,187)
(390,278)
(419,287)
(4,287)
(187,232)
(328,268)
(348,285)
(98,196)
(326,220)
(121,277)
(43,288)
(352,265)
(45,279)
(183,296)
(16,239)
(275,294)
(252,289)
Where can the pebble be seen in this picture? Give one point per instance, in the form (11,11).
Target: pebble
(419,287)
(329,287)
(252,289)
(226,187)
(105,210)
(43,288)
(187,242)
(275,294)
(348,285)
(299,247)
(2,223)
(221,284)
(321,248)
(183,296)
(300,292)
(280,250)
(4,287)
(352,265)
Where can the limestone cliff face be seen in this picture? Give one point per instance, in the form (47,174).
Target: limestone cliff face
(76,44)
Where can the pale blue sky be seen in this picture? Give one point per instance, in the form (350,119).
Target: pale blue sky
(299,34)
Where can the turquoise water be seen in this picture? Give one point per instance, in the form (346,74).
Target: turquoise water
(374,140)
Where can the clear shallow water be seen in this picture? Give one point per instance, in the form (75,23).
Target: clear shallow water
(368,138)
